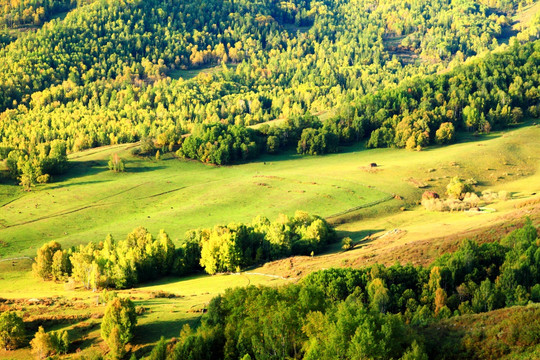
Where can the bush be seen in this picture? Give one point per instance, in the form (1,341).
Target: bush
(457,188)
(445,134)
(47,344)
(346,243)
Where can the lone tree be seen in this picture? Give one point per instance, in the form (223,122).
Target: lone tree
(118,324)
(12,331)
(346,243)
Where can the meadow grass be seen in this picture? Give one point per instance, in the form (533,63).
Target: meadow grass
(179,195)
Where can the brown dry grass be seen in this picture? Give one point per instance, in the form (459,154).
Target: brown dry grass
(393,247)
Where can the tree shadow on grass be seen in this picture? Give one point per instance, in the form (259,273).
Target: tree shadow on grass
(81,344)
(359,239)
(79,169)
(140,169)
(80,183)
(148,334)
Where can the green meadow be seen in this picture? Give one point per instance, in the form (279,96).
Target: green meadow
(177,195)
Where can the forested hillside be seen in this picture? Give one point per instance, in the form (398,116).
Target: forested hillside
(109,73)
(161,165)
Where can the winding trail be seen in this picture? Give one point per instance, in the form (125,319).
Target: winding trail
(17,258)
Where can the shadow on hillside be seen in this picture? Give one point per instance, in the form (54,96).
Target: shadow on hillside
(140,169)
(80,183)
(148,334)
(78,169)
(81,344)
(359,238)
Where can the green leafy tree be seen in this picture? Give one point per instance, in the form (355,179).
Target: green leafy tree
(28,176)
(457,188)
(12,331)
(61,266)
(43,265)
(378,295)
(159,352)
(445,134)
(118,324)
(51,343)
(415,352)
(41,344)
(346,243)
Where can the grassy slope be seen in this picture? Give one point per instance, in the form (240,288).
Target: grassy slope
(174,195)
(178,195)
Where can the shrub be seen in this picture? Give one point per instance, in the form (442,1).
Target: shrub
(346,243)
(47,344)
(457,188)
(445,134)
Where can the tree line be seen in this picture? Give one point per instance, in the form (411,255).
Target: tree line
(141,257)
(491,93)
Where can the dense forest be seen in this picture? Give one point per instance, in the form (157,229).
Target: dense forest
(108,73)
(16,13)
(376,312)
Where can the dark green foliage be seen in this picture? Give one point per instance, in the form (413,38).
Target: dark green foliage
(5,37)
(220,144)
(317,142)
(351,331)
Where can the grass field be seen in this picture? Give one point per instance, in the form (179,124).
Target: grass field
(174,195)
